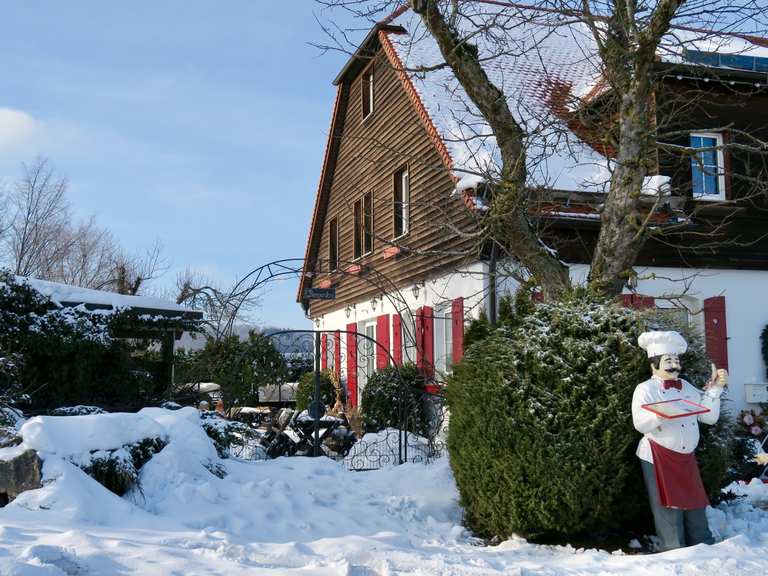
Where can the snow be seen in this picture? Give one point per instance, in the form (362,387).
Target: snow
(72,435)
(656,186)
(307,516)
(64,293)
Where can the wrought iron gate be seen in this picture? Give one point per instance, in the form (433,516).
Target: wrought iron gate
(328,421)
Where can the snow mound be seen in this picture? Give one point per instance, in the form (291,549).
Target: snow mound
(76,435)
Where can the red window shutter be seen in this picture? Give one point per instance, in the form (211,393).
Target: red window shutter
(428,341)
(637,301)
(352,364)
(397,339)
(644,302)
(716,331)
(337,352)
(457,329)
(382,341)
(323,352)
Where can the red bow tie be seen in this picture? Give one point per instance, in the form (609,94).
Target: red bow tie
(673,384)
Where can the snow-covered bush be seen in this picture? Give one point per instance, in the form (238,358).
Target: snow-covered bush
(10,383)
(384,394)
(541,437)
(78,410)
(118,470)
(226,433)
(61,355)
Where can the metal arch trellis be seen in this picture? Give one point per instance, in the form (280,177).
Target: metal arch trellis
(372,454)
(294,267)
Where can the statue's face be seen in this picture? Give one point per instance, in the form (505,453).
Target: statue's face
(669,367)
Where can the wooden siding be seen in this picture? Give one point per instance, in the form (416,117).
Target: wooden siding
(370,152)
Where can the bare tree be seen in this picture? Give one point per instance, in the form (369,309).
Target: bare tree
(38,235)
(621,44)
(40,239)
(222,308)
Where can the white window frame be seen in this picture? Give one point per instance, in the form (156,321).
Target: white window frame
(443,339)
(720,196)
(330,346)
(404,200)
(366,356)
(408,336)
(368,72)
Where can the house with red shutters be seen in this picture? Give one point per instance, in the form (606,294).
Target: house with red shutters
(403,186)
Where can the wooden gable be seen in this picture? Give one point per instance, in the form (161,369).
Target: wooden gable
(363,156)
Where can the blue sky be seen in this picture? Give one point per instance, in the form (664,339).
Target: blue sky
(198,123)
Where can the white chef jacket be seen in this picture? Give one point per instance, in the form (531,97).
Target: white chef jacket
(678,434)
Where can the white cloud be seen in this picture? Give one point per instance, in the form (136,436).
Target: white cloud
(18,130)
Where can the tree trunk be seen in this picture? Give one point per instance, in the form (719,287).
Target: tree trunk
(507,223)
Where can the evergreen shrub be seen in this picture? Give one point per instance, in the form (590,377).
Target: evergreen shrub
(541,438)
(52,356)
(306,389)
(225,433)
(380,403)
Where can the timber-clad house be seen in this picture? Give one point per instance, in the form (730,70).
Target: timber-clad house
(402,186)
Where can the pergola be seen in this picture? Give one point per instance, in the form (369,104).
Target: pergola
(146,317)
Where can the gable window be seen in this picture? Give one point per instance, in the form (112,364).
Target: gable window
(402,202)
(333,245)
(363,225)
(367,92)
(708,166)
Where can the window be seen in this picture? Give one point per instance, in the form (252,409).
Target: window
(333,245)
(367,91)
(363,214)
(408,336)
(708,166)
(443,331)
(366,364)
(402,202)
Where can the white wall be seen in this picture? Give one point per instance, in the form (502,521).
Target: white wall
(744,292)
(745,312)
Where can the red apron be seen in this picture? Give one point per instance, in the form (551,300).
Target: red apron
(678,479)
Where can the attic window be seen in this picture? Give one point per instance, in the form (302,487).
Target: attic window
(367,92)
(708,166)
(333,245)
(363,225)
(402,202)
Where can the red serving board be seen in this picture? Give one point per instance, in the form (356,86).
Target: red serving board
(682,406)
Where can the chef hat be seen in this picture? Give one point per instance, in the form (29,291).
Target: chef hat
(657,343)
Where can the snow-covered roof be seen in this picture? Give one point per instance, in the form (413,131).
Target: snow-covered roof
(546,67)
(65,295)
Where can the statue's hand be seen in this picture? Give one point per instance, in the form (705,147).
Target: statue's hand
(719,377)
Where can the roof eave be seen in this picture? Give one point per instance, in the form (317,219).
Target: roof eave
(364,52)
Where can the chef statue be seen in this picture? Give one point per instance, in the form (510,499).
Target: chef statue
(666,451)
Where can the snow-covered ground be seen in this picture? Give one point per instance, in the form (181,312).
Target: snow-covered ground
(296,516)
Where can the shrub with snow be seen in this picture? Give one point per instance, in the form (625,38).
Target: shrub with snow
(384,396)
(541,437)
(118,470)
(78,410)
(60,354)
(226,433)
